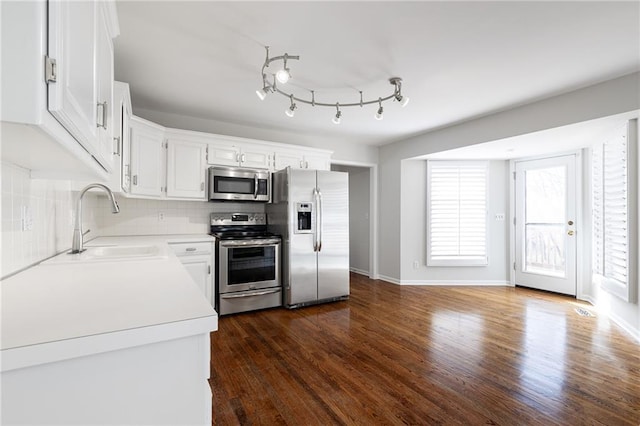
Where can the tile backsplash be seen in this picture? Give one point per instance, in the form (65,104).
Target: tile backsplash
(158,217)
(37,217)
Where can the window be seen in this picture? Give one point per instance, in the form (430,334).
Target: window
(612,206)
(457,213)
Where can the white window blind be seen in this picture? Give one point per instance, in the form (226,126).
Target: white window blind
(610,212)
(457,213)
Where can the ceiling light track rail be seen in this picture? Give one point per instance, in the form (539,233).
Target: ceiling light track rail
(283,75)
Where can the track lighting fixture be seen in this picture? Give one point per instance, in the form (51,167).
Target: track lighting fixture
(380,110)
(283,75)
(292,109)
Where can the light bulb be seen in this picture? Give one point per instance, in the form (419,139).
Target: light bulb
(404,101)
(379,114)
(290,111)
(337,118)
(262,93)
(283,75)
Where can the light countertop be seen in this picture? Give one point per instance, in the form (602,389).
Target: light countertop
(56,311)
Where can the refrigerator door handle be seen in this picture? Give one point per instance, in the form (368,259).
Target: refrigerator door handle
(319,222)
(315,231)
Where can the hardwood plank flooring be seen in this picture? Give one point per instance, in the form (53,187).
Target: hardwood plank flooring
(394,355)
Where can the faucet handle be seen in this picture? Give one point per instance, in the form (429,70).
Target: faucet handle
(86,232)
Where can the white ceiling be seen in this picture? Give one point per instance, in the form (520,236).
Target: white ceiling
(458,60)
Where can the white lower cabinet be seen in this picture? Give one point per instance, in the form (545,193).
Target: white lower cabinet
(198,260)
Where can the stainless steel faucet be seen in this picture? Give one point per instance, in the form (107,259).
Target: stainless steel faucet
(77,245)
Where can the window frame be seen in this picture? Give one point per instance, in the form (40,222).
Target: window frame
(462,260)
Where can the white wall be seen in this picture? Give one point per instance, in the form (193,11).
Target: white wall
(342,150)
(601,100)
(50,203)
(414,233)
(359,221)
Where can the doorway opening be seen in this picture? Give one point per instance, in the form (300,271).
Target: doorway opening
(362,216)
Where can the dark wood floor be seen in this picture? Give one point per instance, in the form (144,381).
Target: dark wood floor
(425,355)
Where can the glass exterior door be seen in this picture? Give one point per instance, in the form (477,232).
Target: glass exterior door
(545,224)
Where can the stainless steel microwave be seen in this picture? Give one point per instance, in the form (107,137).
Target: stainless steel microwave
(237,184)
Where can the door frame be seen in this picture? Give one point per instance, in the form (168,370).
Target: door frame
(583,256)
(373,211)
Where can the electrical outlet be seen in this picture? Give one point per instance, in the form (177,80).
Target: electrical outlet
(499,216)
(160,216)
(416,264)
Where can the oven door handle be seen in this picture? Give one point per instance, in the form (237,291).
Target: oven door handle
(247,243)
(251,294)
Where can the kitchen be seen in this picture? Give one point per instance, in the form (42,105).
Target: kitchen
(176,120)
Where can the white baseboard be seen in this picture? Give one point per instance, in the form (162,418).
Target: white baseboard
(457,283)
(629,328)
(360,271)
(435,283)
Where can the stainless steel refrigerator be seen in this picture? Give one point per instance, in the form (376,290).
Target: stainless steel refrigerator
(310,210)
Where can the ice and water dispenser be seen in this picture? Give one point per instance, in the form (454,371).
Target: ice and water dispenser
(304,213)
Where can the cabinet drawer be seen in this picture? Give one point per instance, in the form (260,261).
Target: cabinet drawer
(189,249)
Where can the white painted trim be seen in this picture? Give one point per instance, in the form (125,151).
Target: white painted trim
(456,283)
(627,327)
(447,283)
(389,279)
(373,212)
(512,226)
(359,271)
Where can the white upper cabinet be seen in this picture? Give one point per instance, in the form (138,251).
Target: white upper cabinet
(57,66)
(301,160)
(121,177)
(72,84)
(80,73)
(186,169)
(234,153)
(147,158)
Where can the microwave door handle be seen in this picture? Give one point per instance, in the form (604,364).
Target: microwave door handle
(255,186)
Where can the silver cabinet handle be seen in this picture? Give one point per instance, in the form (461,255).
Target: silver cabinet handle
(116,150)
(201,186)
(209,269)
(103,122)
(135,180)
(238,158)
(257,293)
(190,249)
(301,165)
(242,158)
(306,164)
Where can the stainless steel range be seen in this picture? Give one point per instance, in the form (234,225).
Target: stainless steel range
(248,263)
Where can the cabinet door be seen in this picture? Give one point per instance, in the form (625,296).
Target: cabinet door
(200,269)
(147,154)
(223,154)
(104,74)
(317,162)
(284,160)
(185,169)
(256,158)
(72,98)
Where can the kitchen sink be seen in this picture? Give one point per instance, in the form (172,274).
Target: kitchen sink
(112,253)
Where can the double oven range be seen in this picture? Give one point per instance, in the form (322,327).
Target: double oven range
(247,263)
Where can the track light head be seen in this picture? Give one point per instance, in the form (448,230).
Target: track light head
(262,93)
(404,100)
(338,117)
(292,108)
(380,110)
(283,75)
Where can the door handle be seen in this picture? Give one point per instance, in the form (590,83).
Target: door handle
(255,185)
(319,219)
